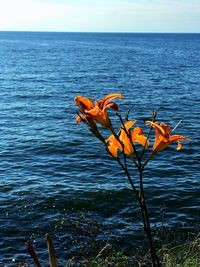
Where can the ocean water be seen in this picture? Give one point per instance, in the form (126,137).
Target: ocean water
(53,170)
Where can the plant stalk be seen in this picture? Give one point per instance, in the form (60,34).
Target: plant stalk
(146,222)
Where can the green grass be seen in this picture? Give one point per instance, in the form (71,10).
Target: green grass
(176,247)
(183,255)
(186,254)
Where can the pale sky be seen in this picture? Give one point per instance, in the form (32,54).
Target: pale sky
(100,15)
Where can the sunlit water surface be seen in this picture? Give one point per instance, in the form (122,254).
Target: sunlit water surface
(52,169)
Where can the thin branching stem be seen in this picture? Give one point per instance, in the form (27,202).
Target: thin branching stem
(129,179)
(125,169)
(139,193)
(147,160)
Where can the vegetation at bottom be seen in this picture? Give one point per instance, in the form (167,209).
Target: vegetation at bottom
(184,254)
(175,248)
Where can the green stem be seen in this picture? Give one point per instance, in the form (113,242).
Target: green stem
(129,178)
(146,222)
(140,196)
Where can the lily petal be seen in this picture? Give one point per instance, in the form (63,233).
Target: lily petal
(127,125)
(97,112)
(179,146)
(138,137)
(125,139)
(175,138)
(163,138)
(84,103)
(113,145)
(156,126)
(110,97)
(79,118)
(124,142)
(112,105)
(93,112)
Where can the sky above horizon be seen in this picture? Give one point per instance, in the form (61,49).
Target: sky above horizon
(100,15)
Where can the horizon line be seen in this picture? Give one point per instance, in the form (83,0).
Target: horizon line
(120,32)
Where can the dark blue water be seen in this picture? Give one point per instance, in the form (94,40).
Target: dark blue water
(52,169)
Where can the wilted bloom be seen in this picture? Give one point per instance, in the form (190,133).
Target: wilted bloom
(123,142)
(163,138)
(96,111)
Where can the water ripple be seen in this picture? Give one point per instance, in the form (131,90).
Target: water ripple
(52,168)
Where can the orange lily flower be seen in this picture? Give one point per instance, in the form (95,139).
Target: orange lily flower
(85,104)
(163,138)
(97,111)
(136,136)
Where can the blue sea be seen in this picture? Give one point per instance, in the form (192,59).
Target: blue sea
(55,174)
